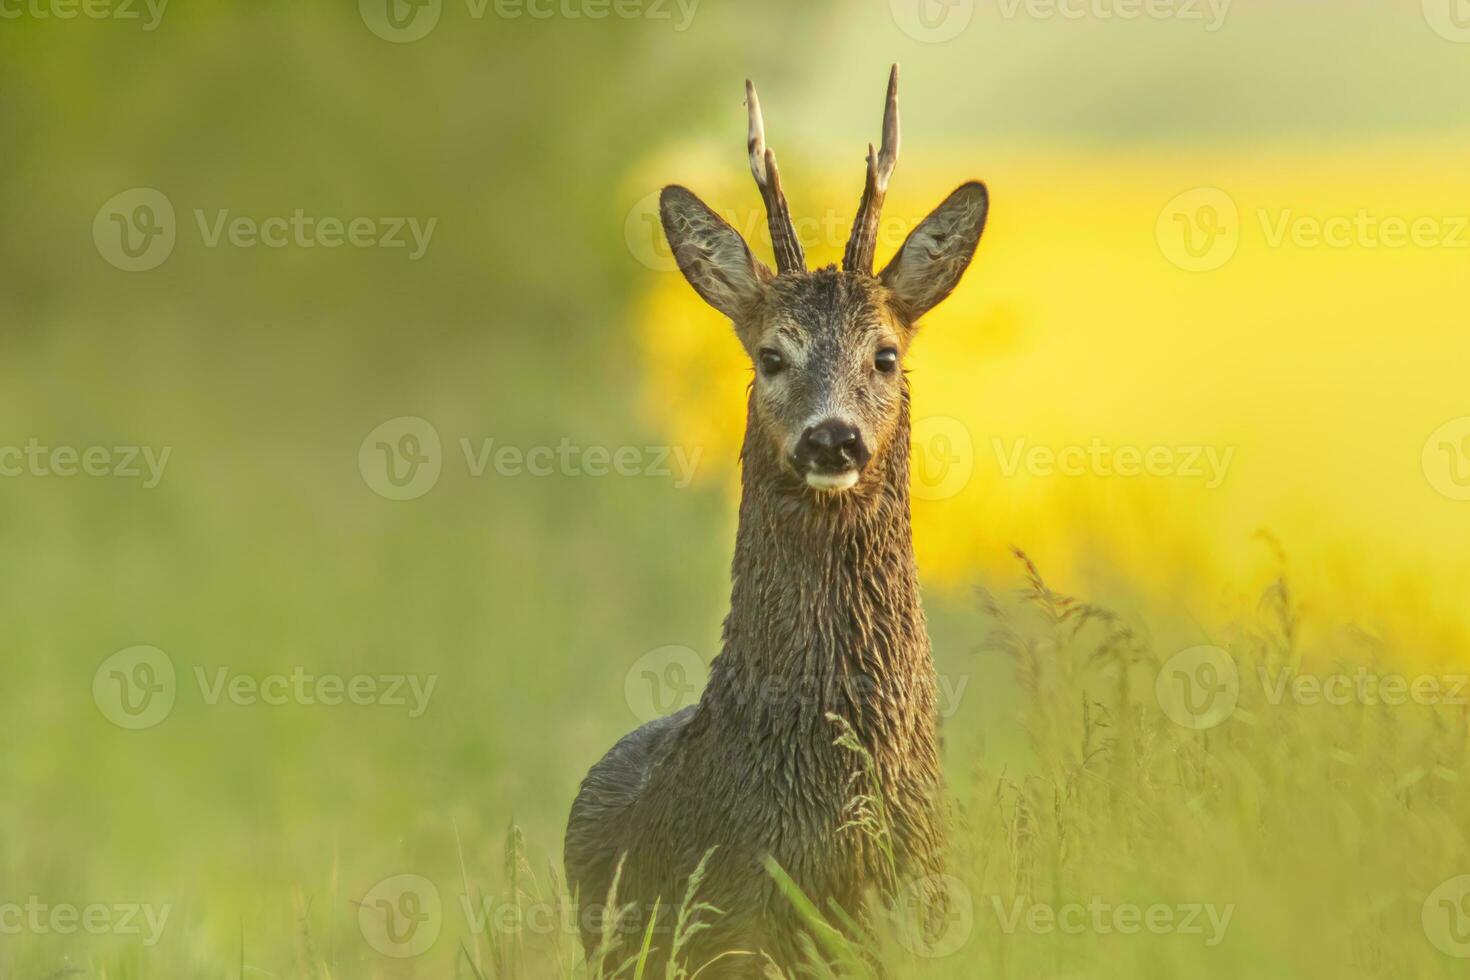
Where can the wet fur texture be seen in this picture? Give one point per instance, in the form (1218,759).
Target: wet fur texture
(824,619)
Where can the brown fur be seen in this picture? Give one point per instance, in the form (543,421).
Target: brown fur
(824,620)
(824,617)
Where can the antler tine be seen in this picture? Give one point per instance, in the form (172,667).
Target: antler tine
(888,155)
(789,254)
(757,138)
(864,240)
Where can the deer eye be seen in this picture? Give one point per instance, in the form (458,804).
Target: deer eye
(886,360)
(772,363)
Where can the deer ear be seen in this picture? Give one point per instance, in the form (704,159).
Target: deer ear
(935,255)
(711,254)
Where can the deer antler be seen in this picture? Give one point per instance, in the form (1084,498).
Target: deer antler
(789,256)
(864,240)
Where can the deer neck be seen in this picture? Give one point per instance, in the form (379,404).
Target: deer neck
(825,613)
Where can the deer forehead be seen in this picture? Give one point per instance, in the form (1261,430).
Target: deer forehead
(827,318)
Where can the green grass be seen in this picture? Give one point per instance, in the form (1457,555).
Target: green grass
(265,830)
(1291,839)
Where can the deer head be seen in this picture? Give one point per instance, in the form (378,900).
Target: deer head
(829,393)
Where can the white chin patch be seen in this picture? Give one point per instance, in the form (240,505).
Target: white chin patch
(832,481)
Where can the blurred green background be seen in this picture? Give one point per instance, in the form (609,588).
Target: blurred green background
(264,549)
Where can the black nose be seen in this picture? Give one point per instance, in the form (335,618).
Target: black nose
(831,446)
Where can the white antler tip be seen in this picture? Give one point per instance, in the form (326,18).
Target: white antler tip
(756,143)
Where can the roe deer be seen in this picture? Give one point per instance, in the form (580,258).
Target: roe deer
(824,615)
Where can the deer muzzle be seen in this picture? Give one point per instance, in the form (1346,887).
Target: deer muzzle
(830,455)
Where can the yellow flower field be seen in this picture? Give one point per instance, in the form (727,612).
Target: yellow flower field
(1125,415)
